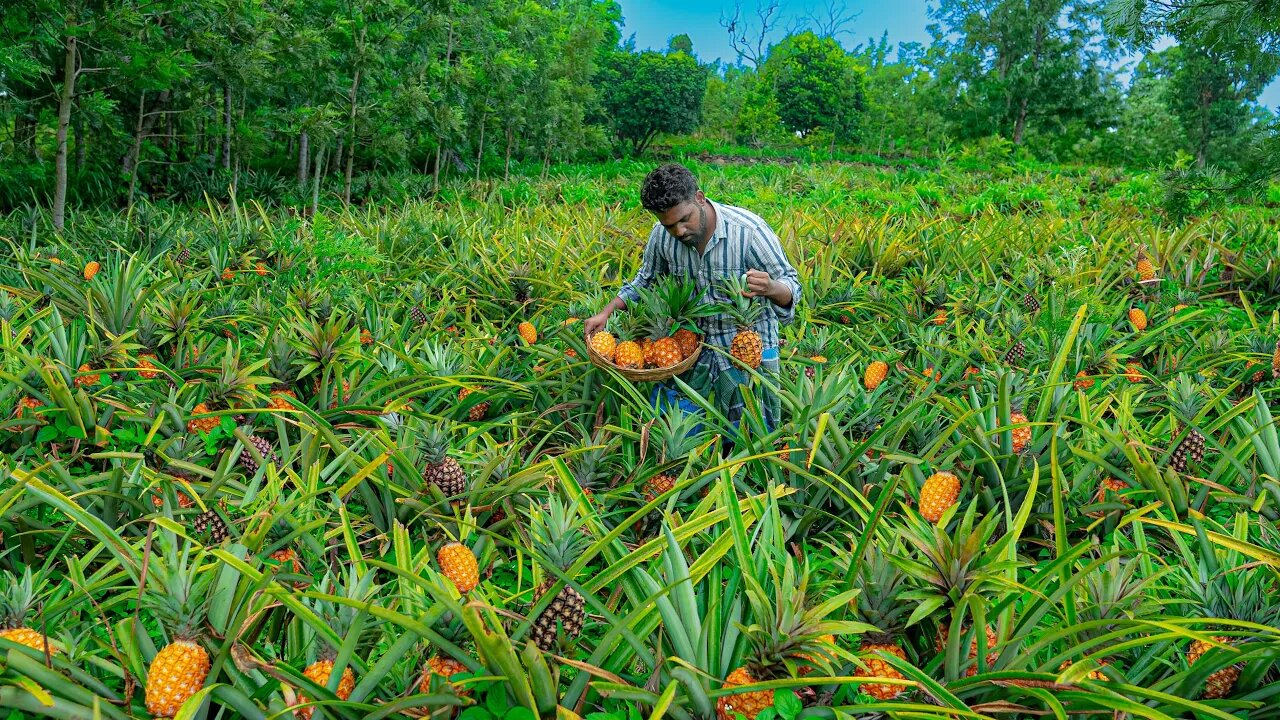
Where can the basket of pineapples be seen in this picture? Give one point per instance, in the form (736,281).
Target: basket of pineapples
(657,338)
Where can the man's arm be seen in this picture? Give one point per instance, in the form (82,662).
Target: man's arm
(771,274)
(651,265)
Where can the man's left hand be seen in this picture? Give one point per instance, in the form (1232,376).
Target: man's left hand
(758,283)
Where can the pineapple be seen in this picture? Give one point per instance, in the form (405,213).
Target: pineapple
(199,424)
(1030,302)
(17,598)
(260,269)
(1133,372)
(417,301)
(814,347)
(559,542)
(527,332)
(676,438)
(944,634)
(1146,271)
(458,563)
(939,492)
(1017,348)
(1184,400)
(784,628)
(476,412)
(1222,682)
(1138,318)
(211,523)
(264,451)
(86,376)
(442,470)
(746,346)
(685,308)
(875,374)
(662,350)
(521,286)
(91,269)
(1021,431)
(603,344)
(1275,361)
(440,666)
(183,256)
(1083,380)
(178,595)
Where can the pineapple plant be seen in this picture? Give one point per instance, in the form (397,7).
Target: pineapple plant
(1185,402)
(441,668)
(663,350)
(18,597)
(879,604)
(442,470)
(875,374)
(476,412)
(341,618)
(676,437)
(813,346)
(746,346)
(685,306)
(939,492)
(417,305)
(786,632)
(178,597)
(521,284)
(1031,303)
(559,542)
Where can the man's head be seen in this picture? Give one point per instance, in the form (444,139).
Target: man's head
(671,193)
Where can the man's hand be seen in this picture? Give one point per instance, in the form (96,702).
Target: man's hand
(758,283)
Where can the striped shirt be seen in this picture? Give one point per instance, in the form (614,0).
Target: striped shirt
(741,242)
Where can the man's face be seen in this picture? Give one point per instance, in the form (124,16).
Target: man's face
(687,222)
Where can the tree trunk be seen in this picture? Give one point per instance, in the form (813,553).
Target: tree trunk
(81,151)
(506,170)
(351,129)
(304,150)
(1021,125)
(435,171)
(480,152)
(64,120)
(130,166)
(1202,139)
(146,122)
(315,182)
(226,129)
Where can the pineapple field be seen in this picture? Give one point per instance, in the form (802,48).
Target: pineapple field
(365,464)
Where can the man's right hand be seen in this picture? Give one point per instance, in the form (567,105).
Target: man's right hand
(595,323)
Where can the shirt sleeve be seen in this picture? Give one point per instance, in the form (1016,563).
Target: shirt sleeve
(766,254)
(652,264)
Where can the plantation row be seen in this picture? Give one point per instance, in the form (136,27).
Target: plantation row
(363,464)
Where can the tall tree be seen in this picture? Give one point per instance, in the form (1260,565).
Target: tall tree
(817,85)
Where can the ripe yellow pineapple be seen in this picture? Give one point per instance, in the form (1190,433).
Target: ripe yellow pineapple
(319,673)
(260,269)
(178,596)
(748,704)
(340,617)
(17,597)
(875,374)
(1083,381)
(458,563)
(201,424)
(476,412)
(1022,433)
(603,344)
(878,667)
(939,493)
(366,337)
(628,355)
(1093,674)
(1220,683)
(527,332)
(1275,361)
(675,436)
(87,377)
(440,666)
(91,269)
(1138,317)
(147,369)
(944,633)
(1133,372)
(1146,271)
(688,341)
(228,274)
(277,400)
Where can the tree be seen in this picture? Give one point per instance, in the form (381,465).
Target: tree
(817,85)
(647,93)
(1014,63)
(680,43)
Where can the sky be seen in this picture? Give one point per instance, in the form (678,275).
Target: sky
(654,21)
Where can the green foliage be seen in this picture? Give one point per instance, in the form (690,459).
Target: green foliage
(817,84)
(648,93)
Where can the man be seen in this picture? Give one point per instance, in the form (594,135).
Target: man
(711,242)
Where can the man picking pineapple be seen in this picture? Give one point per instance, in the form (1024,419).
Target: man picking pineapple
(739,266)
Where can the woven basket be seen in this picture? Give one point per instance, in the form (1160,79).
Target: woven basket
(646,374)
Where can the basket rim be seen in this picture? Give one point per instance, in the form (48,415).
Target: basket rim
(646,374)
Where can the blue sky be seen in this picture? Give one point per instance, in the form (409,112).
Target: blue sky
(653,21)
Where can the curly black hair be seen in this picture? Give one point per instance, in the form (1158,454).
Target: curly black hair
(667,186)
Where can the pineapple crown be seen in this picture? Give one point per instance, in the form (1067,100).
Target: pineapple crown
(741,309)
(677,435)
(340,616)
(1016,324)
(682,300)
(435,444)
(880,585)
(178,593)
(1184,398)
(590,466)
(556,534)
(785,626)
(949,565)
(18,597)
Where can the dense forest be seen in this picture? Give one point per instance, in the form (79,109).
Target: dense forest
(109,100)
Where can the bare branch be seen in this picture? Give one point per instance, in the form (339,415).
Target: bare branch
(833,19)
(749,39)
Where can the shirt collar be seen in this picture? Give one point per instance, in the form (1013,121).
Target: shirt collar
(722,228)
